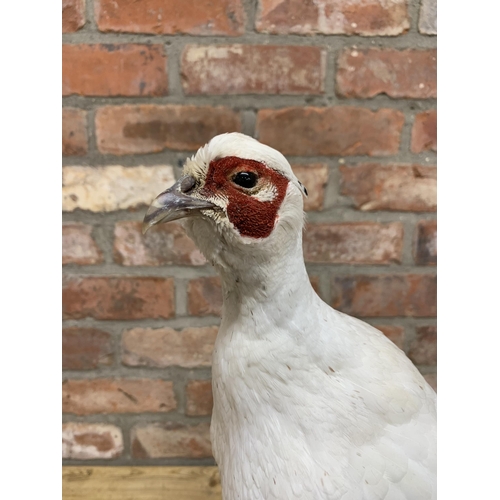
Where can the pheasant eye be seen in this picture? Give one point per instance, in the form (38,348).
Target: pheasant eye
(245,179)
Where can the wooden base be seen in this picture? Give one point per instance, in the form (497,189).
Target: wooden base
(140,483)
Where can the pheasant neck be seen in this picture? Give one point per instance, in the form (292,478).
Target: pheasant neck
(264,284)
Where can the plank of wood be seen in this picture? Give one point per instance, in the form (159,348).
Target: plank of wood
(140,483)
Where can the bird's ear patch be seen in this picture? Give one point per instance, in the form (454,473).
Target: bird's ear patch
(252,211)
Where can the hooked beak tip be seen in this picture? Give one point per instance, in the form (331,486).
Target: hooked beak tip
(175,203)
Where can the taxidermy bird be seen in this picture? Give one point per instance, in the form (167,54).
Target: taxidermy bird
(309,403)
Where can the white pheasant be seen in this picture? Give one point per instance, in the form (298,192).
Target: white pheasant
(309,403)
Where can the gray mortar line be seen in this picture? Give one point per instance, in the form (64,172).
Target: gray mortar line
(112,269)
(91,131)
(251,11)
(409,40)
(121,371)
(255,101)
(176,272)
(174,323)
(174,69)
(126,461)
(176,158)
(346,270)
(181,298)
(90,25)
(248,122)
(330,72)
(408,242)
(413,7)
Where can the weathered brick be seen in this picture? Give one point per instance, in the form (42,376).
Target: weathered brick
(84,441)
(85,397)
(151,128)
(165,244)
(353,243)
(74,132)
(427,21)
(199,399)
(205,296)
(425,250)
(339,130)
(105,189)
(118,298)
(204,17)
(73,15)
(314,177)
(171,440)
(397,73)
(394,333)
(78,246)
(424,132)
(350,17)
(431,380)
(385,295)
(162,347)
(114,70)
(86,348)
(390,187)
(423,349)
(253,69)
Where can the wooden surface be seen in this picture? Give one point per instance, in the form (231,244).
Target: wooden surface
(140,483)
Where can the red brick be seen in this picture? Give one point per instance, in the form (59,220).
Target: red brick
(424,132)
(199,399)
(314,177)
(390,187)
(394,333)
(85,397)
(253,69)
(353,243)
(86,348)
(74,132)
(164,347)
(150,128)
(204,17)
(73,15)
(118,298)
(385,295)
(423,349)
(397,73)
(205,296)
(171,440)
(350,17)
(340,130)
(431,380)
(165,244)
(114,70)
(84,441)
(425,250)
(78,246)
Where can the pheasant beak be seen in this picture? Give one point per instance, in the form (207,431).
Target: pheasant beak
(175,203)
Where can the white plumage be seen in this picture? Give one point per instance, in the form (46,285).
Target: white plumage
(309,403)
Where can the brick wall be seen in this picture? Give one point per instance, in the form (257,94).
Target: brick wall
(347,93)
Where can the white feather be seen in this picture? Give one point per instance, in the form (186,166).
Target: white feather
(309,403)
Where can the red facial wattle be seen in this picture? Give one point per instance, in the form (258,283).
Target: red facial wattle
(252,217)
